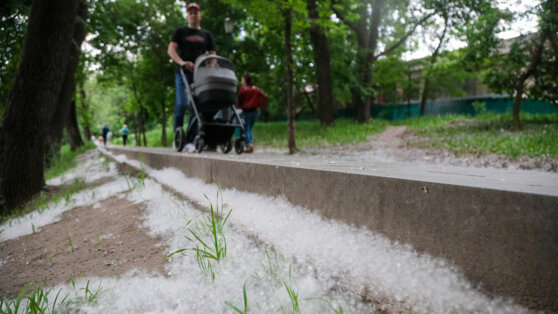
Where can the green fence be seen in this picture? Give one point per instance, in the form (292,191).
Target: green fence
(441,107)
(458,106)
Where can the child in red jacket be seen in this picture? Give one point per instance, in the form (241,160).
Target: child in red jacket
(250,100)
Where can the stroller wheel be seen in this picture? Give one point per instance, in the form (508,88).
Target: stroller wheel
(179,139)
(226,148)
(239,146)
(199,143)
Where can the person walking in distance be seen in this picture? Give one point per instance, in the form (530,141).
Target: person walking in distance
(250,99)
(188,43)
(124,132)
(105,131)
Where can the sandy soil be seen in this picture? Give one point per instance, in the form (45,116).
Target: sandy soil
(106,242)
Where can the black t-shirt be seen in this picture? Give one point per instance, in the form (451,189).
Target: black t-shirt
(192,42)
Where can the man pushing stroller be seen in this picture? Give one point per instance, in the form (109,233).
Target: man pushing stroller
(188,43)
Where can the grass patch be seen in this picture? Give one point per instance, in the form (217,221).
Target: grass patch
(37,300)
(66,160)
(207,236)
(312,134)
(46,199)
(293,295)
(489,134)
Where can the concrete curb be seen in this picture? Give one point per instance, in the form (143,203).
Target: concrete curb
(506,241)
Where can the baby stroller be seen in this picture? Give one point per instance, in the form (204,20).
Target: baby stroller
(214,96)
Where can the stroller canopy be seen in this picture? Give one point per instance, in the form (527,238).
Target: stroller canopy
(215,82)
(213,68)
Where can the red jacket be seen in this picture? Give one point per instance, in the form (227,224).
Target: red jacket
(251,97)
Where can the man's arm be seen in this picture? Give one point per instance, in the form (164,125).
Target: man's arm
(176,58)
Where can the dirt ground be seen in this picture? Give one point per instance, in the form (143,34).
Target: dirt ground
(105,242)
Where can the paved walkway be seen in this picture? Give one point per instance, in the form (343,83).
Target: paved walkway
(527,181)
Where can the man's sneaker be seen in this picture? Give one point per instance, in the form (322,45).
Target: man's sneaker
(190,148)
(249,149)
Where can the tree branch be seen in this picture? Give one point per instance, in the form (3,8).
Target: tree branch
(404,38)
(376,16)
(340,15)
(441,39)
(537,56)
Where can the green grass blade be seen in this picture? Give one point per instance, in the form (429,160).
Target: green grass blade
(175,252)
(205,253)
(229,304)
(245,298)
(20,297)
(199,239)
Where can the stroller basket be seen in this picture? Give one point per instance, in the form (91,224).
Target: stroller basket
(215,83)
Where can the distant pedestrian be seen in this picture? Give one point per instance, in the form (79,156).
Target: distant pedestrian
(250,99)
(105,131)
(124,131)
(109,136)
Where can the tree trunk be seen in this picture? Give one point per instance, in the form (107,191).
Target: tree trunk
(367,38)
(33,98)
(137,135)
(141,123)
(425,89)
(84,112)
(518,99)
(424,95)
(164,123)
(71,119)
(366,29)
(290,79)
(326,110)
(72,128)
(520,86)
(56,130)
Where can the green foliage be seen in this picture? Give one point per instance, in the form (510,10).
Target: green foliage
(293,295)
(13,25)
(481,34)
(509,63)
(132,37)
(207,236)
(90,295)
(10,307)
(38,300)
(546,74)
(312,134)
(505,69)
(479,107)
(392,75)
(447,75)
(65,160)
